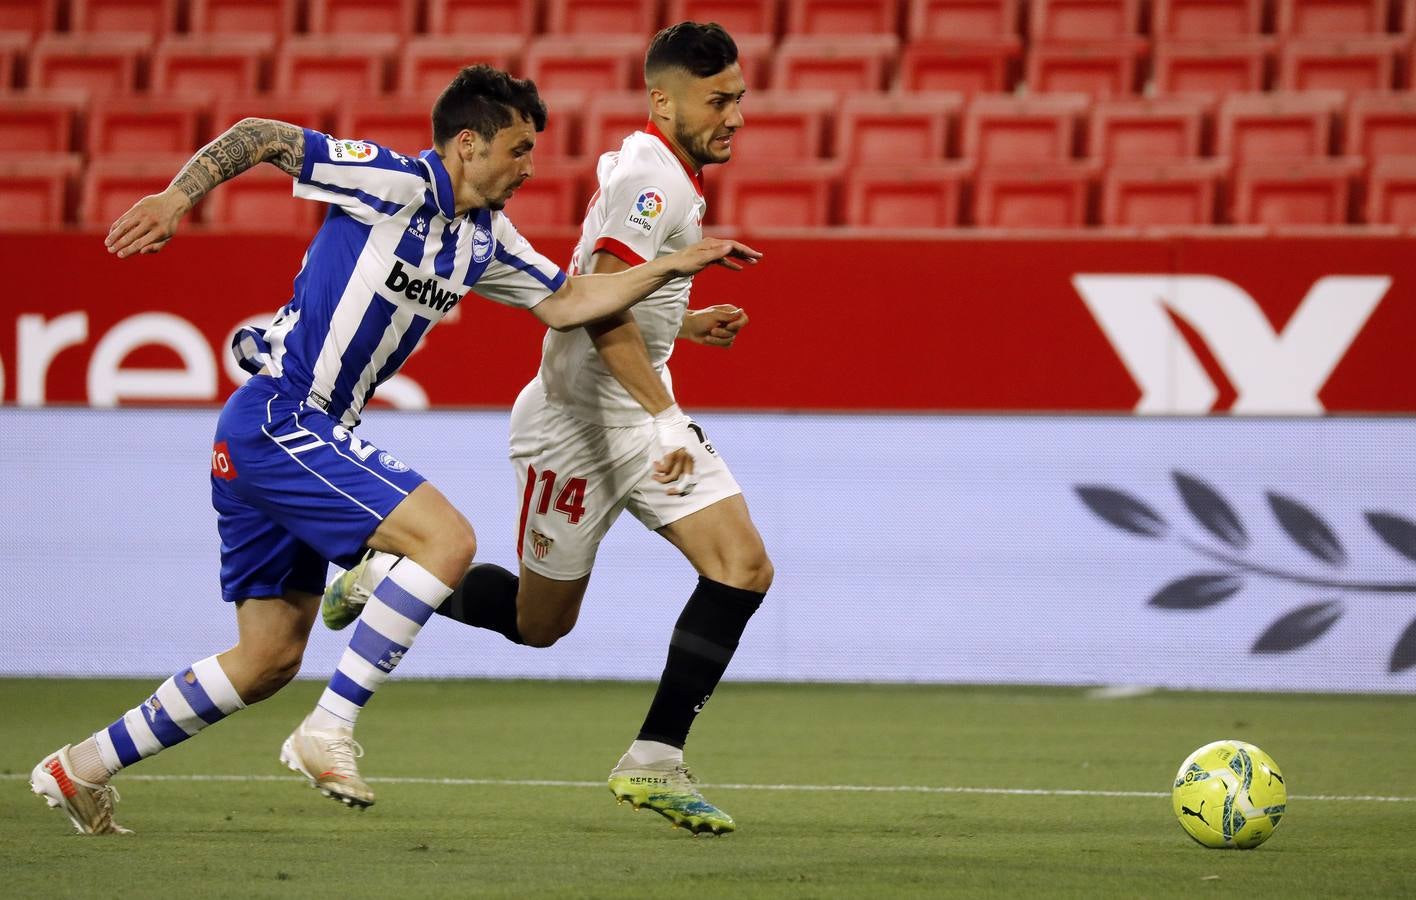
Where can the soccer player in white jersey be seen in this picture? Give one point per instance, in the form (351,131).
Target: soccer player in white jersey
(405,238)
(598,432)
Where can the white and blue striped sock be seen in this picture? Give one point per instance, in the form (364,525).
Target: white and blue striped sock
(401,604)
(180,707)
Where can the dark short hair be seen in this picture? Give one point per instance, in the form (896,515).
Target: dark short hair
(483,99)
(699,49)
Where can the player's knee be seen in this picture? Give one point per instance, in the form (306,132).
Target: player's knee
(274,668)
(542,633)
(751,570)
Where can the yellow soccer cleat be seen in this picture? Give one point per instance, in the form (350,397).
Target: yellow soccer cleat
(668,789)
(345,597)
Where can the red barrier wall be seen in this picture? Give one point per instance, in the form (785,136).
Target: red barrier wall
(852,322)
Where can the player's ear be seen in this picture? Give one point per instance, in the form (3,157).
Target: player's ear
(661,105)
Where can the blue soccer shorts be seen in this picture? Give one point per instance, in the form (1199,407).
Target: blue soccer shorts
(294,490)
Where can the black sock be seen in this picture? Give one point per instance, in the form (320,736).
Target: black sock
(486,598)
(705,636)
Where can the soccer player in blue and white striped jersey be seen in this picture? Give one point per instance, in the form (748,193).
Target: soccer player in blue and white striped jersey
(404,240)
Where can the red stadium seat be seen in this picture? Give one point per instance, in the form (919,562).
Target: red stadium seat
(112,185)
(1352,64)
(40,121)
(604,63)
(610,118)
(1145,131)
(905,196)
(395,17)
(1110,69)
(1206,19)
(554,195)
(482,18)
(29,17)
(783,127)
(1266,127)
(145,125)
(229,64)
(1212,69)
(968,68)
(428,64)
(582,17)
(267,18)
(1391,192)
(1043,196)
(742,18)
(565,110)
(758,198)
(1331,18)
(897,130)
(261,200)
(962,20)
(834,63)
(151,18)
(14,46)
(388,121)
(1381,126)
(1005,130)
(1295,193)
(34,189)
(103,66)
(841,17)
(344,66)
(1083,20)
(1162,194)
(755,52)
(316,113)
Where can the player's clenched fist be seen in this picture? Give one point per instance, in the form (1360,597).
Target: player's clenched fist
(148,225)
(694,259)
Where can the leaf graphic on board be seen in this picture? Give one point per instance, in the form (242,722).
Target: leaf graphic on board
(1307,530)
(1122,510)
(1211,510)
(1399,533)
(1403,655)
(1197,591)
(1299,627)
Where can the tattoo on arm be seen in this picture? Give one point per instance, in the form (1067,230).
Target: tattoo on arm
(244,145)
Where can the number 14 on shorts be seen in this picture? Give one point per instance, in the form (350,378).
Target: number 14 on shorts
(570,501)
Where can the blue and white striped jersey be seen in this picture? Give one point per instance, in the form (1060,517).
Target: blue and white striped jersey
(391,259)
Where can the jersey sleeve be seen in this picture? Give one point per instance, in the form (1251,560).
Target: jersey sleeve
(641,211)
(366,180)
(517,275)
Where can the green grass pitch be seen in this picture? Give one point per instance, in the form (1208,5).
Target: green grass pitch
(1350,763)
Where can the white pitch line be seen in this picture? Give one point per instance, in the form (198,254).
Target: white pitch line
(804,788)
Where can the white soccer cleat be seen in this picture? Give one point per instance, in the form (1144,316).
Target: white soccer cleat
(327,759)
(88,806)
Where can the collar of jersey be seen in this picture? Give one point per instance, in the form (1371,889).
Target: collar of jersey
(442,183)
(695,177)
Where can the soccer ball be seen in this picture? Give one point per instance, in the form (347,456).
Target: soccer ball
(1229,794)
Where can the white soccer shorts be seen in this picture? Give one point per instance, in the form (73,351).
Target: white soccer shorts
(575,478)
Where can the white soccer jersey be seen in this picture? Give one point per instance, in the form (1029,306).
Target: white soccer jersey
(649,203)
(391,259)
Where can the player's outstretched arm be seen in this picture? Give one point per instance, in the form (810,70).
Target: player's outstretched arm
(153,220)
(716,326)
(585,298)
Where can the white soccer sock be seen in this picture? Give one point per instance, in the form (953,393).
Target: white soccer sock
(401,604)
(648,752)
(180,707)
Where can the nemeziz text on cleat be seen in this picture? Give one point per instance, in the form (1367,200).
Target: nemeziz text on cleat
(668,789)
(328,762)
(88,806)
(345,597)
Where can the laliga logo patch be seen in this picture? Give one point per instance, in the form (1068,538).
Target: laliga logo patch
(481,244)
(352,151)
(391,462)
(648,207)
